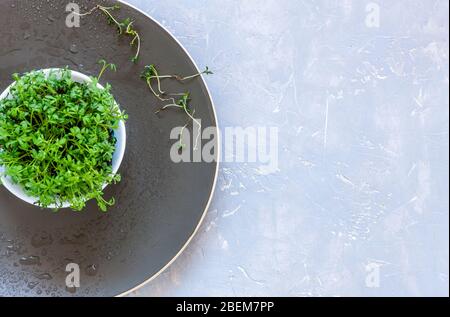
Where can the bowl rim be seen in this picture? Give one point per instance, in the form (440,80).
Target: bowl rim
(119,133)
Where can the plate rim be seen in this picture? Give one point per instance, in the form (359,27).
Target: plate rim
(216,173)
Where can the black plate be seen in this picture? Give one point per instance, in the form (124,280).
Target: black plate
(160,204)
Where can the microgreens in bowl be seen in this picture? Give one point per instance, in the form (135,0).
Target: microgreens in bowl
(58,138)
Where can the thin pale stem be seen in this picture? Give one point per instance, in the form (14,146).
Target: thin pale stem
(102,71)
(97,7)
(138,38)
(181,135)
(173,105)
(162,77)
(179,78)
(199,128)
(105,11)
(191,77)
(157,79)
(88,12)
(154,92)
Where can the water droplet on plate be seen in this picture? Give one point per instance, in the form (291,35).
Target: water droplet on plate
(73,49)
(92,270)
(44,276)
(29,260)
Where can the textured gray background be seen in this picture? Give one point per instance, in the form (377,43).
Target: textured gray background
(363,144)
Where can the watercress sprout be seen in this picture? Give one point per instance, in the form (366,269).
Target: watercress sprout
(56,138)
(151,74)
(105,66)
(183,104)
(125,27)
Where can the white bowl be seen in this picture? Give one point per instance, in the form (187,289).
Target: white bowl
(119,134)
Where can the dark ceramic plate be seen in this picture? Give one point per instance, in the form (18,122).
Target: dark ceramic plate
(159,204)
